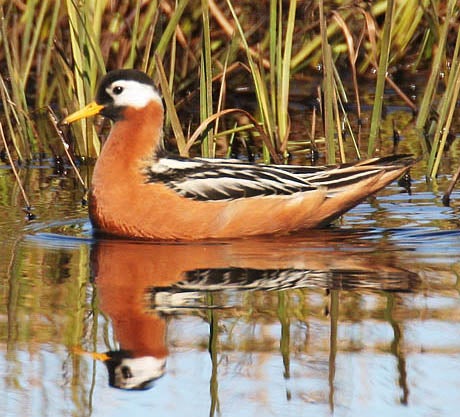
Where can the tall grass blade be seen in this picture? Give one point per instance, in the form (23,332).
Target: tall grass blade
(408,17)
(16,105)
(352,56)
(53,52)
(312,45)
(448,107)
(30,50)
(222,91)
(15,172)
(43,89)
(12,119)
(87,56)
(65,145)
(445,112)
(430,88)
(150,17)
(255,124)
(285,78)
(168,33)
(381,76)
(274,51)
(206,101)
(175,122)
(328,88)
(260,86)
(134,37)
(339,129)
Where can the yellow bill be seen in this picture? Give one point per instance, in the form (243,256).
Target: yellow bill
(90,110)
(96,356)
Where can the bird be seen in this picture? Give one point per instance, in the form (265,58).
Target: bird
(139,192)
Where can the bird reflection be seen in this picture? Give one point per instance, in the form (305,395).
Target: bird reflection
(122,272)
(139,283)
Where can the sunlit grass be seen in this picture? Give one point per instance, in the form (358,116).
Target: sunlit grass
(381,75)
(448,102)
(54,53)
(261,89)
(328,88)
(206,86)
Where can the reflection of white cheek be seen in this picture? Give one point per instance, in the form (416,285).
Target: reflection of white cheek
(133,372)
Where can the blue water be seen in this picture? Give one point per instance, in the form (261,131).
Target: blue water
(370,324)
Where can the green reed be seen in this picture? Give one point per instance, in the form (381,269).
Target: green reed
(61,48)
(169,102)
(381,75)
(328,89)
(445,113)
(261,87)
(206,87)
(272,91)
(85,36)
(19,50)
(281,66)
(436,68)
(436,132)
(168,33)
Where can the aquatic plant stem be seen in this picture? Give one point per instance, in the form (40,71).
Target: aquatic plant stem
(163,44)
(15,172)
(204,125)
(445,112)
(285,77)
(328,89)
(381,74)
(260,86)
(206,99)
(65,145)
(450,106)
(430,89)
(352,56)
(169,101)
(446,196)
(88,62)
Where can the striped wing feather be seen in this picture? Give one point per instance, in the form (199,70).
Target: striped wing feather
(227,179)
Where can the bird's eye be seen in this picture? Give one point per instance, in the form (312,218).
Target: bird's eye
(126,372)
(117,90)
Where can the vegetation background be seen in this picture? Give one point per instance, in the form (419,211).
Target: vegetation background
(306,81)
(231,71)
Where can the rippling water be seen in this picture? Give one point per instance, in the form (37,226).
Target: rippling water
(359,319)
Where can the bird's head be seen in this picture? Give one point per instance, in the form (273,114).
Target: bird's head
(118,90)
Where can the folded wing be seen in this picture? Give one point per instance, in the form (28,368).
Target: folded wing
(226,179)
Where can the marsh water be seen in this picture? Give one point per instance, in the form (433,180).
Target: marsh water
(360,319)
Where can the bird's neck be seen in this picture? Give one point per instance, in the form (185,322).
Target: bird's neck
(135,139)
(120,171)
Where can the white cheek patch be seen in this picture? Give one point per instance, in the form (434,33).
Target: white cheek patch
(134,94)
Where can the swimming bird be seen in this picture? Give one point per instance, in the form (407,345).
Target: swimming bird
(139,192)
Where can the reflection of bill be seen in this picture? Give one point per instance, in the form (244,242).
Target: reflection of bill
(138,282)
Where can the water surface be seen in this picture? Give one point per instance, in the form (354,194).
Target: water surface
(359,319)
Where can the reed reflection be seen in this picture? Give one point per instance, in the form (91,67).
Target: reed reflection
(139,283)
